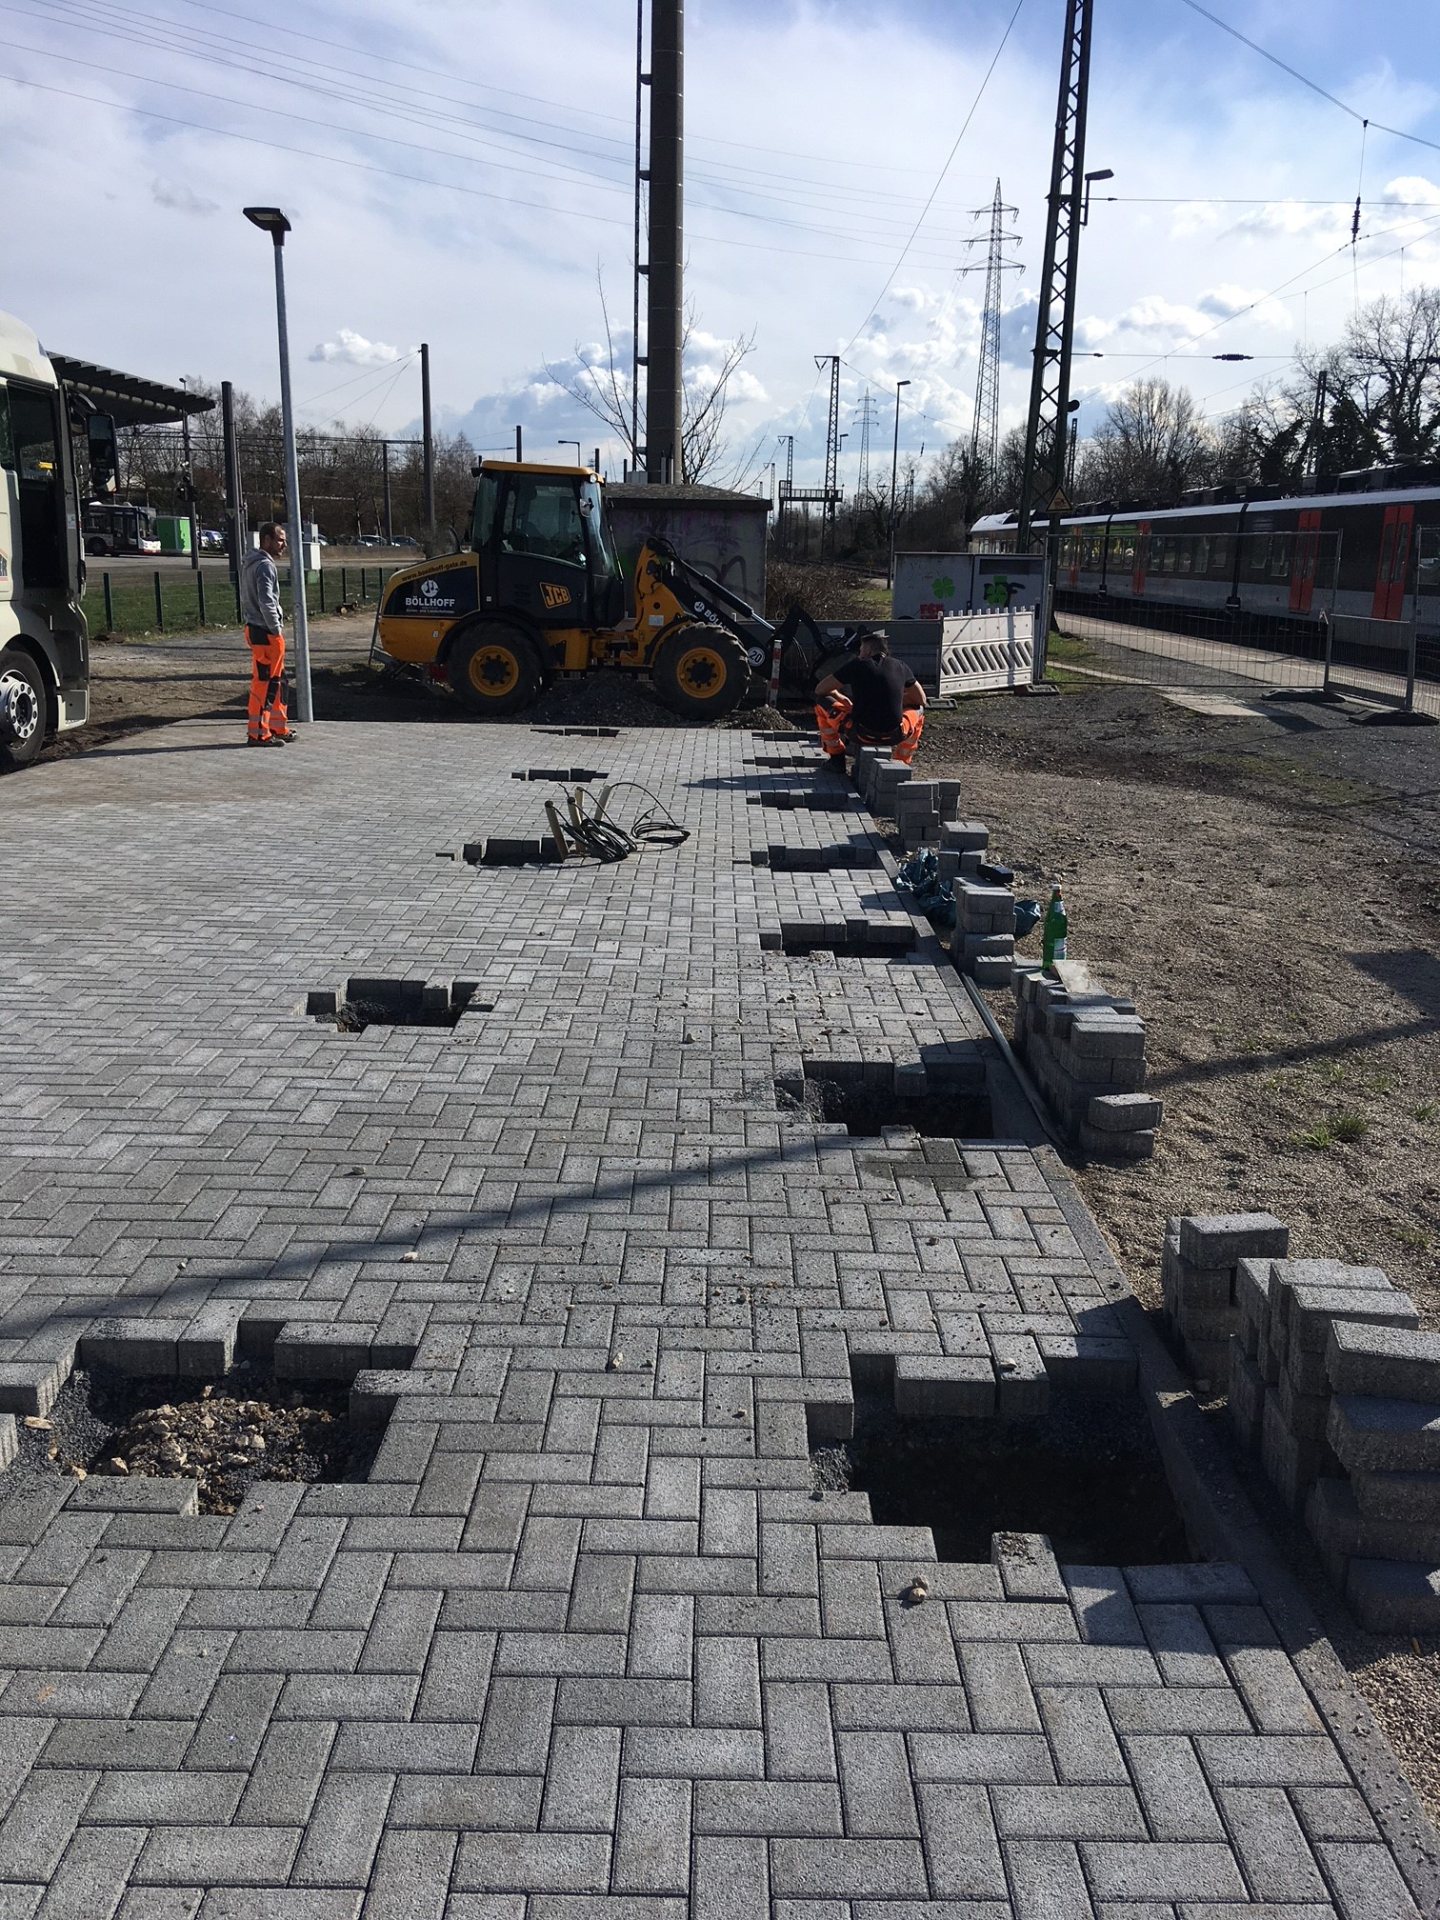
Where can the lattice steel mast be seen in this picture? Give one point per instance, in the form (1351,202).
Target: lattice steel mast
(1045,432)
(985,434)
(832,454)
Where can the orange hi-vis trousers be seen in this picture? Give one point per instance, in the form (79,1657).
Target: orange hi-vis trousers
(267,690)
(838,731)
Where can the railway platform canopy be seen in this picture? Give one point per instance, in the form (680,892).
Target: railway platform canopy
(129,398)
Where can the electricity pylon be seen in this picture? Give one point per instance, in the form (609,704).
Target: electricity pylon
(985,434)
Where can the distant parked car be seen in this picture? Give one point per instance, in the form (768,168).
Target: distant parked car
(404,540)
(212,540)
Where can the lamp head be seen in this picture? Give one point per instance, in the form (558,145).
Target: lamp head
(269,220)
(1105,173)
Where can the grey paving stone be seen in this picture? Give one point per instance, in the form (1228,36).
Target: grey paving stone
(585,1600)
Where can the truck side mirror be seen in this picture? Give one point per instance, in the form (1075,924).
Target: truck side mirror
(104,453)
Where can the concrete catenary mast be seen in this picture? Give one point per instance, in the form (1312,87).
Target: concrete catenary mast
(664,458)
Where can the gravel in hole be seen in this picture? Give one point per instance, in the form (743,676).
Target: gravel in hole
(225,1434)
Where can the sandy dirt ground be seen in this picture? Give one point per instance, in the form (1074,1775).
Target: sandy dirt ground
(1266,887)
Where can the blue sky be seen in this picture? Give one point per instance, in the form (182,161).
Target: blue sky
(815,132)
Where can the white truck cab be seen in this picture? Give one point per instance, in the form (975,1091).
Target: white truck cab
(44,652)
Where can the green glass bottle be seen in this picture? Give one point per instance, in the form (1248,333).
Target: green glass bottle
(1057,926)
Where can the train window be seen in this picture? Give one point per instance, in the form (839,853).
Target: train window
(1202,554)
(1280,556)
(1185,557)
(1220,553)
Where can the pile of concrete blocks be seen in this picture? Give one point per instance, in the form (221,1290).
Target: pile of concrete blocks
(1199,1275)
(1334,1384)
(983,943)
(879,779)
(1085,1051)
(922,808)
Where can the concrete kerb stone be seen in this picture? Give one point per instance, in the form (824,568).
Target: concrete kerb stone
(1223,1525)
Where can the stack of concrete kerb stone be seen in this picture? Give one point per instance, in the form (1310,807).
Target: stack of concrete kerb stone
(1333,1382)
(1199,1276)
(1086,1052)
(879,779)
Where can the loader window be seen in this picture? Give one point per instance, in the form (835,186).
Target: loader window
(542,517)
(482,524)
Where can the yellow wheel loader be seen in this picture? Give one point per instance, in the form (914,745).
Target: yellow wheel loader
(538,591)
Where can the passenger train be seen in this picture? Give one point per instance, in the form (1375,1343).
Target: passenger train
(1365,543)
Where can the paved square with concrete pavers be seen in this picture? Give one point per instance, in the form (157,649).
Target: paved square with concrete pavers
(587,1639)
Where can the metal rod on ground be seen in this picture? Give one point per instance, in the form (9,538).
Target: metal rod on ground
(428,455)
(664,461)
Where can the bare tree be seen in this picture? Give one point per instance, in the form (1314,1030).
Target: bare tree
(603,388)
(1153,443)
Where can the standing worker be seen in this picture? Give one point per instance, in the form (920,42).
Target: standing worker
(873,700)
(264,628)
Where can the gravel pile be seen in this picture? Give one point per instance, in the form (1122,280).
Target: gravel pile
(226,1440)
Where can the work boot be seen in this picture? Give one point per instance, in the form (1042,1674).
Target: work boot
(270,740)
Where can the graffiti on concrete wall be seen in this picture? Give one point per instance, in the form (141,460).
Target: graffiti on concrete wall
(728,543)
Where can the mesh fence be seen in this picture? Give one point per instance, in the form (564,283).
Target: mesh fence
(1197,611)
(179,599)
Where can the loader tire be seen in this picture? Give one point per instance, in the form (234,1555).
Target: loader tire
(495,670)
(701,673)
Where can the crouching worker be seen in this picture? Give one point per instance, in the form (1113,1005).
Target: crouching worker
(873,700)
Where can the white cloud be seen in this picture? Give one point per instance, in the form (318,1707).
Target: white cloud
(181,199)
(351,349)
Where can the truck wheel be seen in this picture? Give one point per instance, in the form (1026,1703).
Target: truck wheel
(22,710)
(701,672)
(495,670)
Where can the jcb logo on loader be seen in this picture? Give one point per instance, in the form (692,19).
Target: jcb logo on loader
(554,596)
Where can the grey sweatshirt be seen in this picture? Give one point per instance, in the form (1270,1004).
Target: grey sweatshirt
(260,592)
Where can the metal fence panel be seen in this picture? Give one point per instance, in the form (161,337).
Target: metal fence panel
(1371,660)
(981,652)
(1198,611)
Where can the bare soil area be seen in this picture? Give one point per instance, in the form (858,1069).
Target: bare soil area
(1269,893)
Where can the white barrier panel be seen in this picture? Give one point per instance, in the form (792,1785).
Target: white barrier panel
(983,651)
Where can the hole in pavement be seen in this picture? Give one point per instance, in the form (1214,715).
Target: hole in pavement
(867,940)
(781,859)
(567,776)
(540,850)
(1087,1474)
(787,760)
(799,801)
(368,1002)
(864,1101)
(586,733)
(110,1424)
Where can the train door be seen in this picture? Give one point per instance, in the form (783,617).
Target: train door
(1142,551)
(1395,537)
(1303,556)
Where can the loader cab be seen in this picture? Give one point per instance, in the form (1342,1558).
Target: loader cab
(542,537)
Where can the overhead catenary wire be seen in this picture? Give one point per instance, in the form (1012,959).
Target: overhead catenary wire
(1304,79)
(955,148)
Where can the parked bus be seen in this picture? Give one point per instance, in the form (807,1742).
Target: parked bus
(119,528)
(44,647)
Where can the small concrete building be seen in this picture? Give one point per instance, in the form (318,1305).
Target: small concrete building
(721,532)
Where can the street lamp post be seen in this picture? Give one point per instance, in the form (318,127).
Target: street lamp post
(894,477)
(1101,173)
(576,445)
(272,221)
